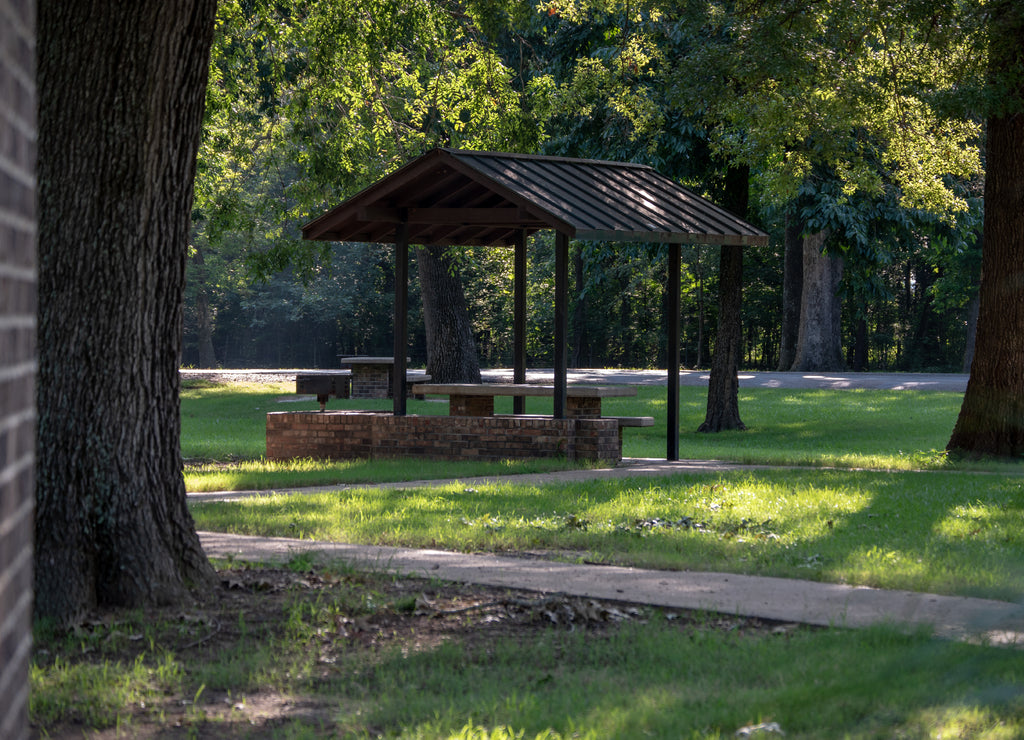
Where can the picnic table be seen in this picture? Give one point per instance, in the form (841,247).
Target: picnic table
(582,401)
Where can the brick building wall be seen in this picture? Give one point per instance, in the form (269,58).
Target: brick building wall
(17,356)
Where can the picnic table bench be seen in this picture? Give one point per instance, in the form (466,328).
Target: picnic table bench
(582,401)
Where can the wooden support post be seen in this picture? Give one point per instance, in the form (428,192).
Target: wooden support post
(561,321)
(519,321)
(398,391)
(672,432)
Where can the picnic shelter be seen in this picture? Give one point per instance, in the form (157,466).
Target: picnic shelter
(451,197)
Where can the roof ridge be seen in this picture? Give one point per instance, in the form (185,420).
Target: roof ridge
(543,158)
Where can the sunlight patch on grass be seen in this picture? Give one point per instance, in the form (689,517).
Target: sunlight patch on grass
(263,474)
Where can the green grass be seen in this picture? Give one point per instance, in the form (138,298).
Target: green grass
(224,434)
(255,475)
(954,533)
(947,530)
(652,681)
(661,675)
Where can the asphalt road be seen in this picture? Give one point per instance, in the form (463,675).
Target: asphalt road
(954,382)
(951,382)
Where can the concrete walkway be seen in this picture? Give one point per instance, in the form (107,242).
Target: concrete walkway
(781,599)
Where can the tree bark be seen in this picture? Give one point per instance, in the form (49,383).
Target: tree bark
(723,411)
(859,361)
(580,339)
(991,420)
(451,351)
(819,346)
(792,292)
(972,333)
(120,108)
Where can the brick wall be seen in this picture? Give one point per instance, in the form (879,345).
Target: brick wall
(354,434)
(17,356)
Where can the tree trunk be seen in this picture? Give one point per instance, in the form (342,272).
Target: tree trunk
(699,362)
(991,420)
(120,107)
(972,333)
(723,410)
(860,346)
(792,291)
(451,351)
(819,346)
(580,340)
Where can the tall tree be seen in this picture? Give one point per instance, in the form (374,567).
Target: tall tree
(818,346)
(120,105)
(451,353)
(723,410)
(991,420)
(792,290)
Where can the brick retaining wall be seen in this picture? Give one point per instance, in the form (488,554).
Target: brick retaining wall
(17,357)
(364,434)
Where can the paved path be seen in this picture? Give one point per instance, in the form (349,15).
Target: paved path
(781,599)
(953,382)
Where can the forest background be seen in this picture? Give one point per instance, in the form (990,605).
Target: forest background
(854,127)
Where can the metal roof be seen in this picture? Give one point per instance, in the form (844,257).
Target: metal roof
(469,198)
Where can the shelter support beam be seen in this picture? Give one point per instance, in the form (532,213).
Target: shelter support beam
(398,387)
(519,320)
(673,329)
(561,321)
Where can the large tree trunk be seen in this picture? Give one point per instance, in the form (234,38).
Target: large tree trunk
(451,351)
(723,410)
(121,93)
(792,291)
(819,347)
(991,420)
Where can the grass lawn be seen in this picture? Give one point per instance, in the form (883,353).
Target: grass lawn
(224,434)
(337,654)
(299,652)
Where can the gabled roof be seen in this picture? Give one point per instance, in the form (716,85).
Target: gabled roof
(468,198)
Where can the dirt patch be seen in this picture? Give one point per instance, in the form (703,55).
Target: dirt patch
(330,619)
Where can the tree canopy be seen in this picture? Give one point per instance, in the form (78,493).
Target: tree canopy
(862,122)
